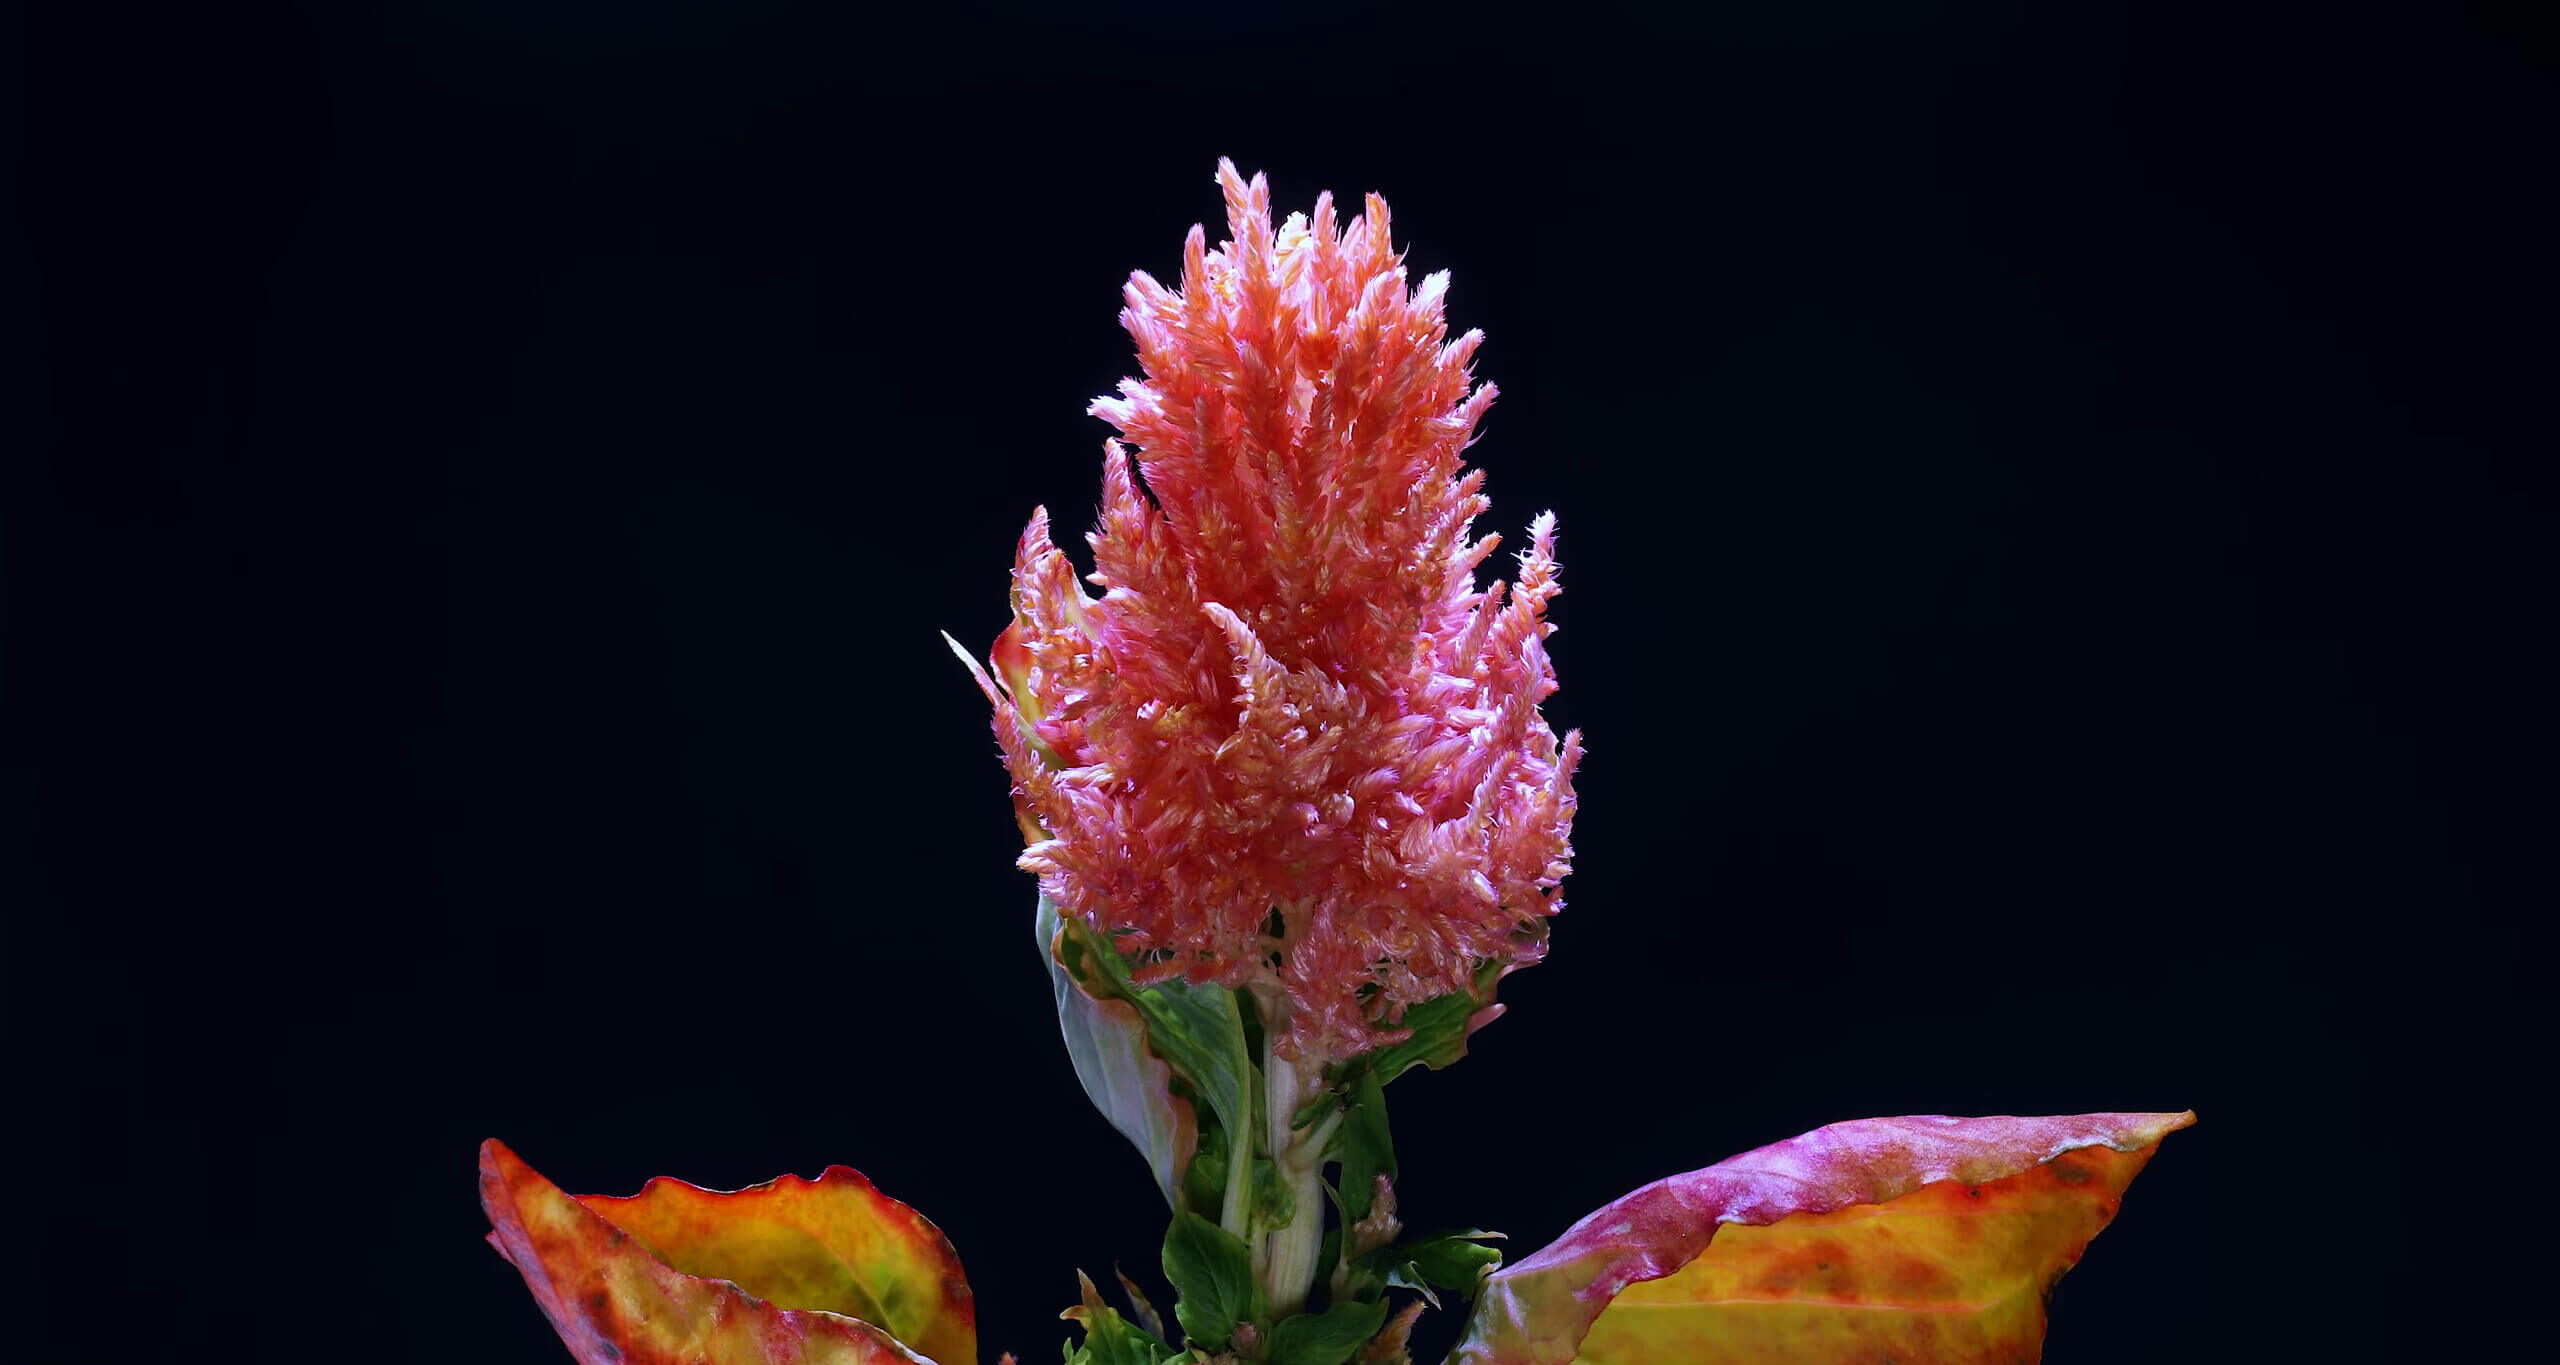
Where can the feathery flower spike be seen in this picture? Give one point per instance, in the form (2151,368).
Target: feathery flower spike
(1292,746)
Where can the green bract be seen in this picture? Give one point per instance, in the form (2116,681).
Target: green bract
(1212,1275)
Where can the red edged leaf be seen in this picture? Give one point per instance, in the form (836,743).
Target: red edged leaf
(1107,1041)
(1912,1239)
(823,1270)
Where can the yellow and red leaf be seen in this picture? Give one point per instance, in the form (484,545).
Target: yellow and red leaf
(1926,1239)
(827,1270)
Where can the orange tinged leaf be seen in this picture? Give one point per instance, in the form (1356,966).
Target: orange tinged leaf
(1107,1041)
(1949,1272)
(826,1270)
(1924,1239)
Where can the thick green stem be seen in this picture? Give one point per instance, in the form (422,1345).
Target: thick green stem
(1287,1259)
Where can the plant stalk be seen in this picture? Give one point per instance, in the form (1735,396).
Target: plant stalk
(1288,1259)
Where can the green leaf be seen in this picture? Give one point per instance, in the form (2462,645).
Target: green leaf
(1362,1285)
(1362,1143)
(1273,1204)
(1204,1181)
(1455,1261)
(1195,1029)
(1439,1036)
(1212,1274)
(1451,1260)
(1406,1277)
(1117,1341)
(1326,1338)
(1110,1339)
(1133,1087)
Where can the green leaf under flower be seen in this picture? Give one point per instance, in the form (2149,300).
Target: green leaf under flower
(1197,1030)
(1212,1274)
(1110,1339)
(1362,1144)
(1326,1338)
(1132,1086)
(1455,1261)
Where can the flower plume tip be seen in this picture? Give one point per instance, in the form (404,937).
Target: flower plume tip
(978,671)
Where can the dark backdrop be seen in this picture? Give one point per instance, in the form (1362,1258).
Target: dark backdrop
(2056,524)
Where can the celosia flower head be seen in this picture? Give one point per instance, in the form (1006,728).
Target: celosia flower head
(1292,746)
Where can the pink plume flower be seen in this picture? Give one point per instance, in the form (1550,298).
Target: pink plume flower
(1293,746)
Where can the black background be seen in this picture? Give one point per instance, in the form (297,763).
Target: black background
(2056,524)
